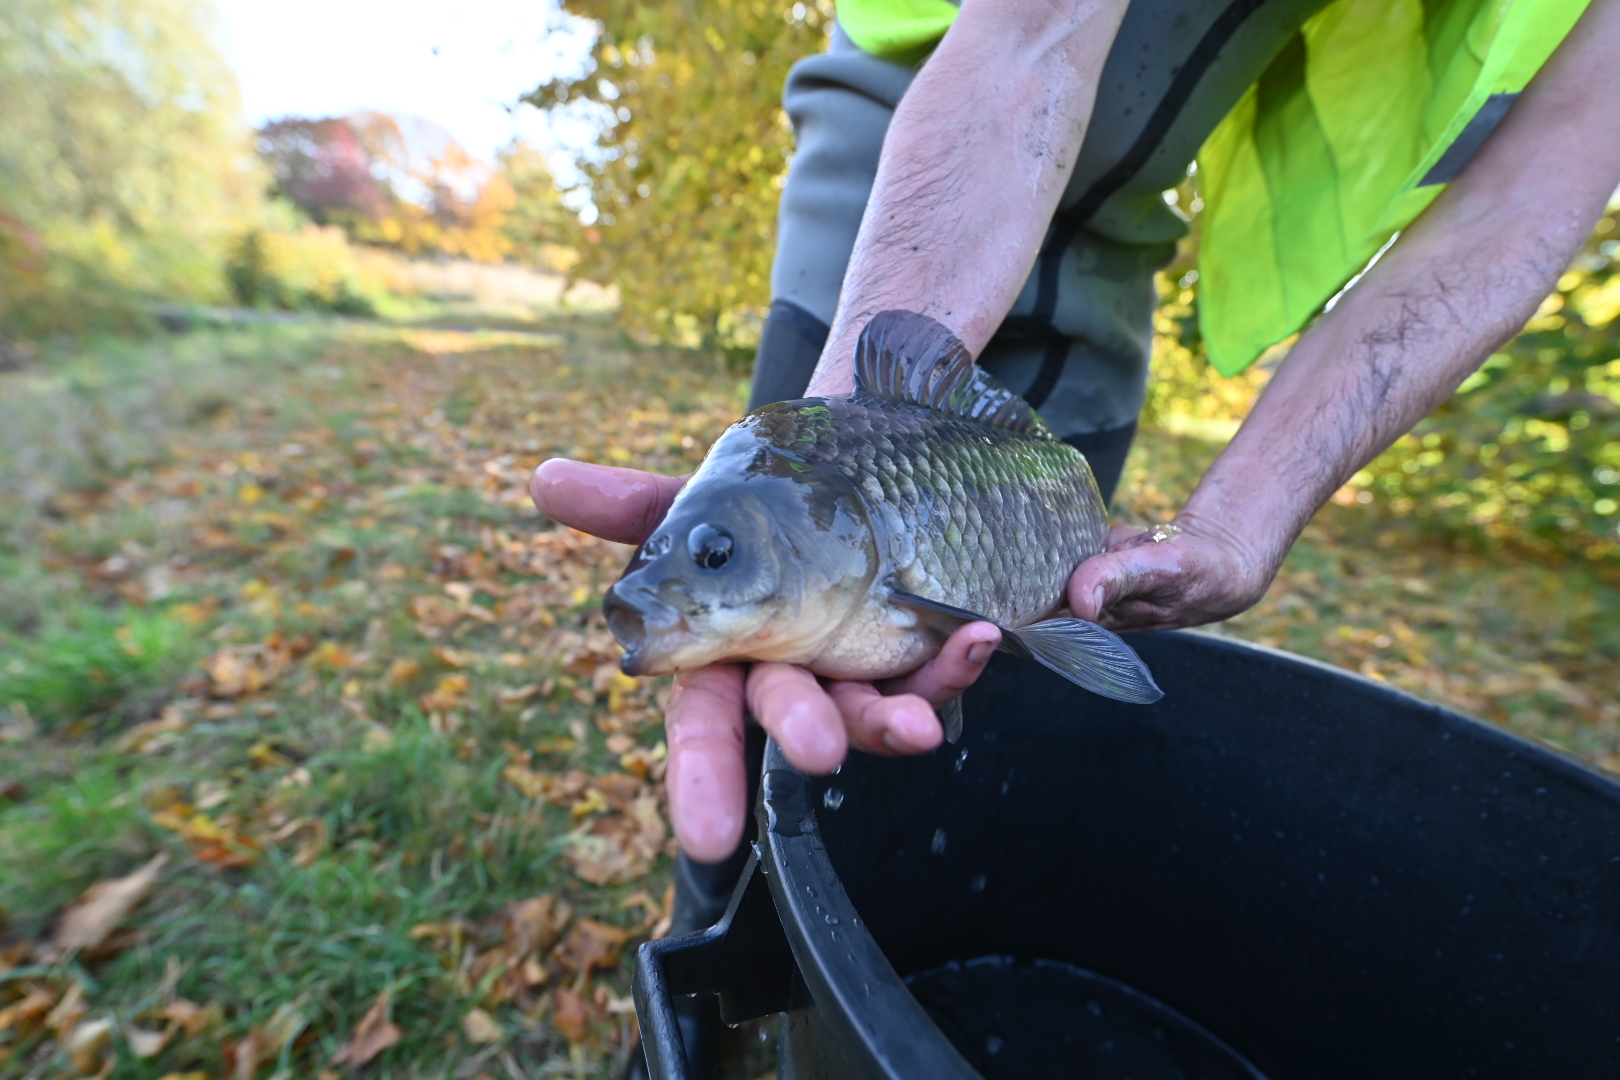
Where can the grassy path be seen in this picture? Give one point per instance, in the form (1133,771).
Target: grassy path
(293,670)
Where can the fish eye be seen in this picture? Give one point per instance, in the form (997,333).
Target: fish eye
(710,546)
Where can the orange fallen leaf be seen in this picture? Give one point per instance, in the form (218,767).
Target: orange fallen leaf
(591,946)
(27,1015)
(449,694)
(94,916)
(402,671)
(569,1014)
(535,924)
(374,1034)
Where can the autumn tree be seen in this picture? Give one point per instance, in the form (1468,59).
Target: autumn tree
(538,223)
(691,154)
(123,164)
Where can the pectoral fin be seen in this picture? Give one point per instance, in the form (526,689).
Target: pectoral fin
(1087,655)
(1080,651)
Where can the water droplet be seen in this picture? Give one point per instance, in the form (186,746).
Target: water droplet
(938,845)
(838,768)
(810,890)
(992,1044)
(977,884)
(832,920)
(832,798)
(764,1034)
(960,759)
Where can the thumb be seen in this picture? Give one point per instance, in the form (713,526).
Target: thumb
(1096,583)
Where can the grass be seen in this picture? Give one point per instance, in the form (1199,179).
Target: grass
(273,603)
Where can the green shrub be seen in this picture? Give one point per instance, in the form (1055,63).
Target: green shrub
(311,268)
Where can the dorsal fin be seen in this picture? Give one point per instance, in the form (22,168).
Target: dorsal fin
(903,356)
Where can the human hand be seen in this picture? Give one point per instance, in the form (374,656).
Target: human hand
(814,721)
(1170,576)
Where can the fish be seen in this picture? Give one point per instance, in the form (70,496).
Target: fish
(852,534)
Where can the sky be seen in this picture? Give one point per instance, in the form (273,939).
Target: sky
(460,65)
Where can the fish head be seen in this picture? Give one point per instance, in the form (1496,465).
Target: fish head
(761,566)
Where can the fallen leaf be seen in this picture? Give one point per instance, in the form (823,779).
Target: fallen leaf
(535,924)
(68,1010)
(481,1028)
(374,1034)
(402,671)
(85,1043)
(313,846)
(193,1018)
(96,914)
(449,694)
(148,737)
(591,946)
(569,1014)
(145,1043)
(514,696)
(619,848)
(265,1041)
(28,1014)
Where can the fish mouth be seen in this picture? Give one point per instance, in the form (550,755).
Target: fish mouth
(633,621)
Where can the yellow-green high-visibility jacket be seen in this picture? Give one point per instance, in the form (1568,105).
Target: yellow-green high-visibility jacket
(1346,137)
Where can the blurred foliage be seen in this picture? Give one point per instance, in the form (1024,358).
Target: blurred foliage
(691,156)
(310,268)
(123,166)
(409,186)
(1527,451)
(1526,454)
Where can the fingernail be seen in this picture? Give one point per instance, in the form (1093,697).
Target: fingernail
(911,730)
(1097,595)
(804,733)
(979,652)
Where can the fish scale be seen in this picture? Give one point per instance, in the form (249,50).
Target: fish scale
(1018,501)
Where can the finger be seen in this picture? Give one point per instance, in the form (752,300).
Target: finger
(958,664)
(623,505)
(789,703)
(1119,534)
(1096,584)
(707,778)
(884,724)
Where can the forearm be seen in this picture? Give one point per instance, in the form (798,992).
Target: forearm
(974,164)
(1457,284)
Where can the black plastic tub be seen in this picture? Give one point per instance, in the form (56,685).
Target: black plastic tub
(1280,870)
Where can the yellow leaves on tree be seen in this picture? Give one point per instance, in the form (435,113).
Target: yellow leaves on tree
(697,146)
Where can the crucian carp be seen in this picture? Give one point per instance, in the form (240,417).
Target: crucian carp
(851,535)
